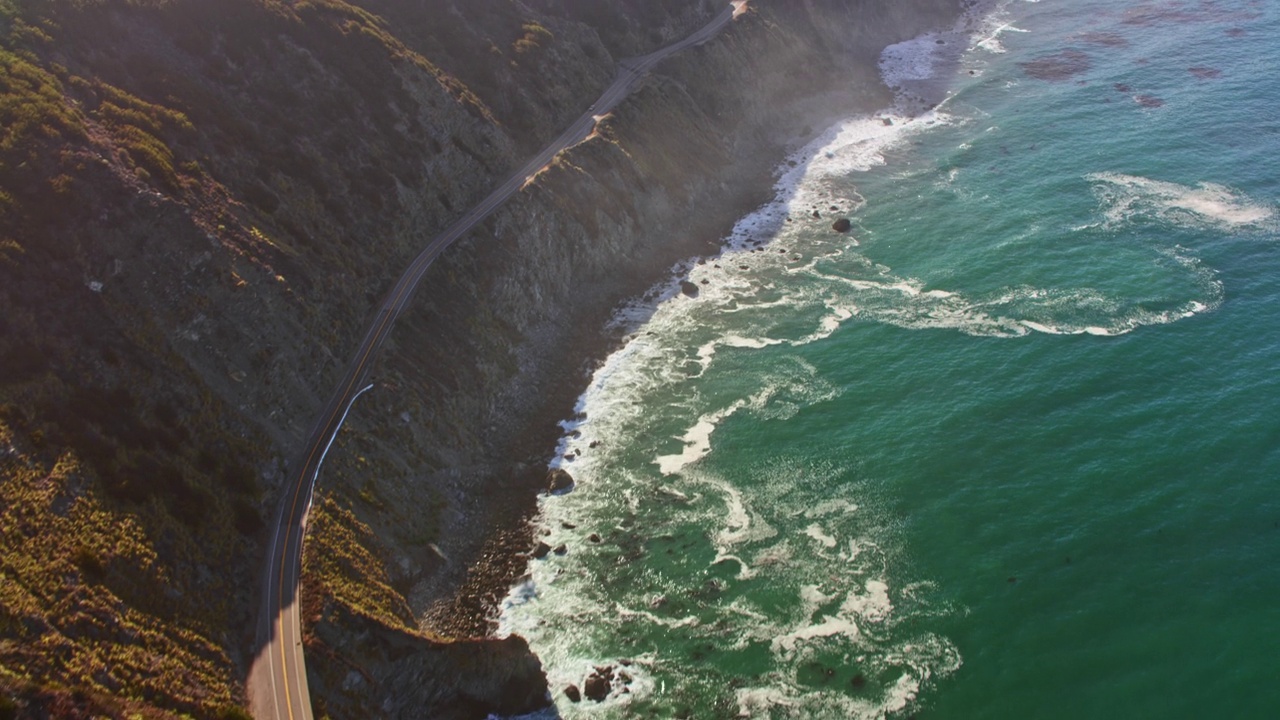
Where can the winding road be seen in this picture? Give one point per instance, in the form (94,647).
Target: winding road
(277,682)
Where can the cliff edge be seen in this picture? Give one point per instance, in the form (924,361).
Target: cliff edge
(199,204)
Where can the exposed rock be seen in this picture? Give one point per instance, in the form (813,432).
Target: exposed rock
(572,692)
(559,481)
(477,369)
(561,549)
(842,225)
(688,288)
(598,684)
(540,550)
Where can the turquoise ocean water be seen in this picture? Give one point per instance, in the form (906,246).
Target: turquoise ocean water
(1009,448)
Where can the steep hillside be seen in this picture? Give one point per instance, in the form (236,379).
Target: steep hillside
(199,203)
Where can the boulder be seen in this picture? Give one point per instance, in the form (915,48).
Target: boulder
(559,481)
(598,684)
(572,692)
(541,550)
(842,225)
(688,288)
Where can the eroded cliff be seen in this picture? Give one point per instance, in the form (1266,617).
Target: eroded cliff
(199,204)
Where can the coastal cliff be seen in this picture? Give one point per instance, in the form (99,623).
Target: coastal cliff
(200,203)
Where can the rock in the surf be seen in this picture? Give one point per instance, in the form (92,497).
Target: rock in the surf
(598,684)
(559,481)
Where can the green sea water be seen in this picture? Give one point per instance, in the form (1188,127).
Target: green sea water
(1008,448)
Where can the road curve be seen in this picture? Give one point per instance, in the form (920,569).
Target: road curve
(277,682)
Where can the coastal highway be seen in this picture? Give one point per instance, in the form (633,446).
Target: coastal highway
(277,682)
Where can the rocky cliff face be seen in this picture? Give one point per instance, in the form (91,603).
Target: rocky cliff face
(199,204)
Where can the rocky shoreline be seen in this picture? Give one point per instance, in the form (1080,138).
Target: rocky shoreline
(207,199)
(471,610)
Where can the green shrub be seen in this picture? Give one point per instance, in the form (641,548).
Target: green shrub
(535,37)
(231,712)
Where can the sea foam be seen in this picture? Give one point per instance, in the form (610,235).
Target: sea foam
(1132,198)
(746,305)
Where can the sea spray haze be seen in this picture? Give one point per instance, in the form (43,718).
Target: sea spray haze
(1007,449)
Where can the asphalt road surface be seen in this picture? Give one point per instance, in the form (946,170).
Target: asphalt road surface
(277,683)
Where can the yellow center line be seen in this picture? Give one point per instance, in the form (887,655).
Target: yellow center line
(738,7)
(297,491)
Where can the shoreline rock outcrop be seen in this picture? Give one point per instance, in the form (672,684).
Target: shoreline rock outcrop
(210,197)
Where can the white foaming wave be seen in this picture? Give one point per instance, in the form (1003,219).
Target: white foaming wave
(867,605)
(1016,311)
(609,410)
(853,145)
(989,34)
(697,442)
(740,524)
(838,506)
(775,555)
(941,309)
(1129,197)
(830,626)
(859,144)
(916,660)
(873,605)
(625,612)
(756,702)
(857,548)
(784,390)
(816,532)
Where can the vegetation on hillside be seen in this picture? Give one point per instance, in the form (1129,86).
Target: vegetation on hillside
(130,500)
(90,613)
(198,201)
(158,183)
